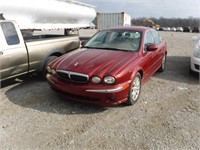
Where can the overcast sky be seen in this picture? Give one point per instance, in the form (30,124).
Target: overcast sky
(149,8)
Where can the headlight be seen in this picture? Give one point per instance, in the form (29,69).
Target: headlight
(53,72)
(96,79)
(48,69)
(197,52)
(109,80)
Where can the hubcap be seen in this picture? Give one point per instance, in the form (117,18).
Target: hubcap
(135,90)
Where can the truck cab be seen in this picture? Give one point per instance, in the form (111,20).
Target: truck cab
(12,45)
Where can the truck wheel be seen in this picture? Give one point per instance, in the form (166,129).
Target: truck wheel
(44,72)
(135,90)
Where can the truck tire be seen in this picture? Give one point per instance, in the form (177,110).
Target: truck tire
(44,71)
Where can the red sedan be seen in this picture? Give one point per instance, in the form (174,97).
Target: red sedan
(110,68)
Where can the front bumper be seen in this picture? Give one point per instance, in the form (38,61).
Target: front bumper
(195,64)
(91,93)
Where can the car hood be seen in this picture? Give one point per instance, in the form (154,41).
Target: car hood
(95,61)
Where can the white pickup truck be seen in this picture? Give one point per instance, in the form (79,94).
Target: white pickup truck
(21,55)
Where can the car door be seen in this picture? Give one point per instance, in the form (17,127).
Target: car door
(13,54)
(148,56)
(158,54)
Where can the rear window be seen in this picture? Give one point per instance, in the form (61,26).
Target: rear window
(10,33)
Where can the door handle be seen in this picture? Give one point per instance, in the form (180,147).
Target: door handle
(1,53)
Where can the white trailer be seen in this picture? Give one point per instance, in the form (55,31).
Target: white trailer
(107,20)
(48,14)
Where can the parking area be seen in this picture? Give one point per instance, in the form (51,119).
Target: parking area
(167,115)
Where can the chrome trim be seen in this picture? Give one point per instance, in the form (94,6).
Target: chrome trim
(69,73)
(106,90)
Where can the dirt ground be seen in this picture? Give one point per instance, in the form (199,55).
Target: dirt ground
(167,115)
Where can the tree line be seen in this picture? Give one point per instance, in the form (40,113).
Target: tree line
(167,22)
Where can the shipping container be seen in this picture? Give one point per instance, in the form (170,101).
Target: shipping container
(107,20)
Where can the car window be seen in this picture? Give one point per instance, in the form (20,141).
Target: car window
(100,38)
(148,39)
(156,37)
(10,33)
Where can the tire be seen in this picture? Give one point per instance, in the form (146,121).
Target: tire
(162,67)
(135,90)
(44,71)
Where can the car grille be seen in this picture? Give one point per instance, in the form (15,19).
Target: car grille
(72,76)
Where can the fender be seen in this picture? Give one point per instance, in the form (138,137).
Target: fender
(135,71)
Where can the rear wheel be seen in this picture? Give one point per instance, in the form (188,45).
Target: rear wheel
(135,90)
(162,67)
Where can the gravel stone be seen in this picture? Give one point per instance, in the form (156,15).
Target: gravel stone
(167,115)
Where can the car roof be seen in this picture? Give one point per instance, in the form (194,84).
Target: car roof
(136,28)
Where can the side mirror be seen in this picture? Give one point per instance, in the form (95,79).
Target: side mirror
(82,42)
(152,47)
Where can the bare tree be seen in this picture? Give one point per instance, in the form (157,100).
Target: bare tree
(168,22)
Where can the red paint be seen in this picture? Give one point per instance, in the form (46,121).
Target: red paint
(123,65)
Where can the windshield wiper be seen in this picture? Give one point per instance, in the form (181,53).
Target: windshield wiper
(117,49)
(86,47)
(108,48)
(100,47)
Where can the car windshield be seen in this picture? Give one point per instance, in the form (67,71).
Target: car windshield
(126,40)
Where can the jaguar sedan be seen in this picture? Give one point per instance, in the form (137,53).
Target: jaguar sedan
(110,68)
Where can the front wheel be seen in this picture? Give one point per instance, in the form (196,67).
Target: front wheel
(135,90)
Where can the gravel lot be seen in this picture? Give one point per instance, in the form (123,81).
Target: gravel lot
(167,115)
